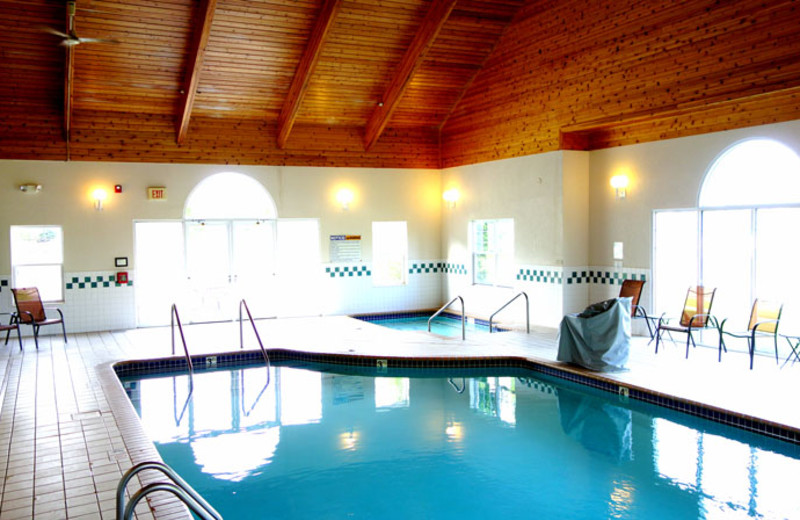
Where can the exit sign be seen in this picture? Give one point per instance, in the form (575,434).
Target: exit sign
(158,193)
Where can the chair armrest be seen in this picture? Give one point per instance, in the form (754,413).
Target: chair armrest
(60,314)
(709,317)
(766,322)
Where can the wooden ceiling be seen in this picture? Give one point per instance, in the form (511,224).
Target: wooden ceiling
(385,83)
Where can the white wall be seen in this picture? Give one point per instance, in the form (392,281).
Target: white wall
(94,238)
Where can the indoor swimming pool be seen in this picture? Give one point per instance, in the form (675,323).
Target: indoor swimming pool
(332,441)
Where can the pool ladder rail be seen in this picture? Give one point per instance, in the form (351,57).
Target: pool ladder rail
(175,318)
(463,316)
(176,485)
(243,306)
(509,302)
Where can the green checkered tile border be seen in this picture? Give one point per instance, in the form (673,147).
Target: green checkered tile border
(603,277)
(540,275)
(348,270)
(94,282)
(451,268)
(425,267)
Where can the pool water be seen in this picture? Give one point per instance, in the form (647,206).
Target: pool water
(442,326)
(317,443)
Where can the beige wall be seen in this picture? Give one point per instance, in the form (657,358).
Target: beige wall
(93,239)
(663,175)
(527,189)
(575,172)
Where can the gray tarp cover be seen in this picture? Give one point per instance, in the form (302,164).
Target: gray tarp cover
(600,341)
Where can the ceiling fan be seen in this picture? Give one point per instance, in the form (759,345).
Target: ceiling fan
(71,39)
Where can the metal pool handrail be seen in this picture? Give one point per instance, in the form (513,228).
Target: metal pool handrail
(527,311)
(243,304)
(175,318)
(177,487)
(463,316)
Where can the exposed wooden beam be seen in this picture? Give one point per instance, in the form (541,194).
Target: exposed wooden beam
(305,69)
(202,29)
(413,58)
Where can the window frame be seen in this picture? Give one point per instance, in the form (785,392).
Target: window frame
(500,256)
(45,291)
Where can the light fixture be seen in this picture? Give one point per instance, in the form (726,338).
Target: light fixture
(30,188)
(99,195)
(344,197)
(451,196)
(620,185)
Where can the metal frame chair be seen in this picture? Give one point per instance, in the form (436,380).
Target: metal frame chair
(765,317)
(13,323)
(696,315)
(633,289)
(30,311)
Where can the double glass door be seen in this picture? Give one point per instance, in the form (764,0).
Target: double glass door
(227,261)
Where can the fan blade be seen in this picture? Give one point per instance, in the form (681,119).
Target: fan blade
(55,32)
(98,40)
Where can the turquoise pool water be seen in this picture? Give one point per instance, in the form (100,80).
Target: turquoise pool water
(442,326)
(332,442)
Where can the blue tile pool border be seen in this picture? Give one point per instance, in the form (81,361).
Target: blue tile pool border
(135,368)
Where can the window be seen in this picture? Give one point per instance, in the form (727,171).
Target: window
(37,258)
(737,240)
(492,251)
(389,253)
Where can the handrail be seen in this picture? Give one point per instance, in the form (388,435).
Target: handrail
(177,487)
(243,303)
(463,316)
(527,311)
(176,318)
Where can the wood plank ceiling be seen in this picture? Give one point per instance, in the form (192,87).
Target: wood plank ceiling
(384,83)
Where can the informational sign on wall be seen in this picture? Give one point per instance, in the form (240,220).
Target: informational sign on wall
(345,248)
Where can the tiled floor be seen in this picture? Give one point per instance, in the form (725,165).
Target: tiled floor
(67,432)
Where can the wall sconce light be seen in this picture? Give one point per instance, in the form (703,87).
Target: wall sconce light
(30,188)
(620,185)
(344,197)
(451,197)
(99,195)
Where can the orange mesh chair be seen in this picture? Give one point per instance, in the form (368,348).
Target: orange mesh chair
(764,320)
(30,311)
(13,323)
(696,315)
(633,289)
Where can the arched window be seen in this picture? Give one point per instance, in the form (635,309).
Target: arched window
(755,172)
(229,196)
(740,239)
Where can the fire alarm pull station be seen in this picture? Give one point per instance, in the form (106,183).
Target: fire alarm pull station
(122,278)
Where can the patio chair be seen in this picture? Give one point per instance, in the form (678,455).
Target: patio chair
(633,289)
(696,315)
(30,311)
(764,320)
(13,323)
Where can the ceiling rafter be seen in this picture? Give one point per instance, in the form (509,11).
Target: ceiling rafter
(415,54)
(205,16)
(305,69)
